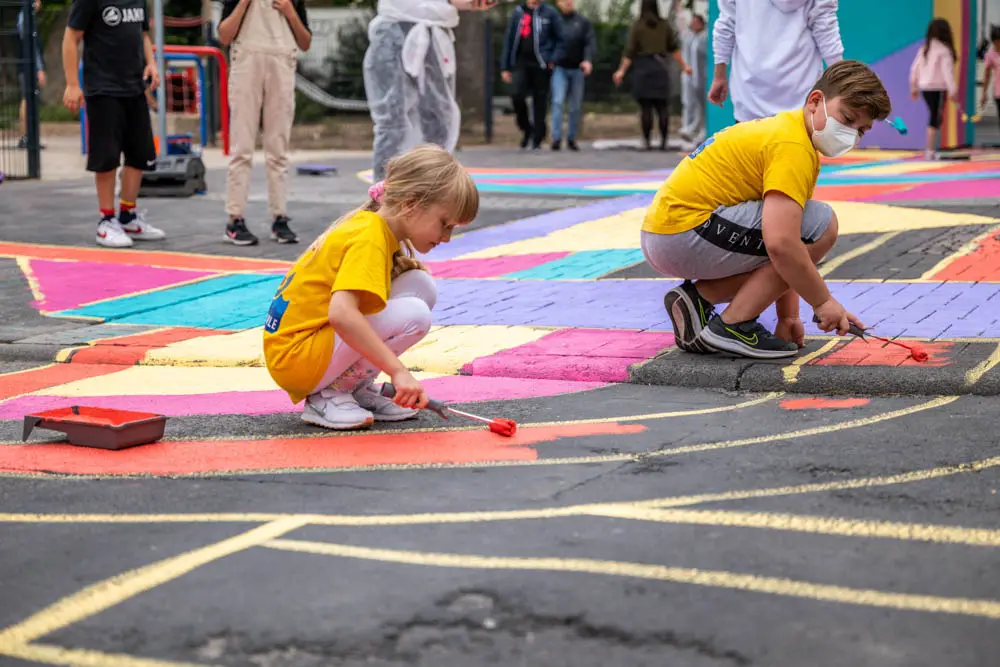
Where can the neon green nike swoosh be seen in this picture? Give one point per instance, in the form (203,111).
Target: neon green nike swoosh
(749,340)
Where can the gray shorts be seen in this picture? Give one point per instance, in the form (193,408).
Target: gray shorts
(728,244)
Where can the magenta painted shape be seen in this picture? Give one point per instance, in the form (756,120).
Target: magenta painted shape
(491,267)
(579,355)
(450,389)
(944,190)
(66,285)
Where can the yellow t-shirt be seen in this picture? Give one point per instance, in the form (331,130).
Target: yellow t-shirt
(740,163)
(298,339)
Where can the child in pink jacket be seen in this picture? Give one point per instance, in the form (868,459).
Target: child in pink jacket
(933,75)
(991,65)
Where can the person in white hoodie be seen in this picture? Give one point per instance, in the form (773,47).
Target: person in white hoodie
(775,49)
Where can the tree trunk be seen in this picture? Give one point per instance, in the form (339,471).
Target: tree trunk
(471,64)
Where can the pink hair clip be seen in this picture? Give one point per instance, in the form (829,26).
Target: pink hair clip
(376,191)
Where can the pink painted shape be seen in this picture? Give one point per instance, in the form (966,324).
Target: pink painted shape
(491,267)
(66,285)
(578,355)
(944,190)
(450,389)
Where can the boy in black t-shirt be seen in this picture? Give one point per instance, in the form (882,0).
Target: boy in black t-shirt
(117,60)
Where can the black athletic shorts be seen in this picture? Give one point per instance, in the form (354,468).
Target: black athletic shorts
(119,126)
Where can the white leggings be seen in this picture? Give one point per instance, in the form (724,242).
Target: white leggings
(403,323)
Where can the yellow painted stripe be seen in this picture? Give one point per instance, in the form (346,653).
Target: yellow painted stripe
(57,655)
(791,371)
(982,368)
(966,249)
(24,264)
(110,592)
(980,537)
(835,263)
(680,575)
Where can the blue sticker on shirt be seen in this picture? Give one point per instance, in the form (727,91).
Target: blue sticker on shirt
(279,305)
(705,144)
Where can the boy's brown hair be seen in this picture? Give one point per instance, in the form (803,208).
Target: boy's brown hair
(859,87)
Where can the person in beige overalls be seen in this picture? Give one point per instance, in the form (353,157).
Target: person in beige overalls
(266,36)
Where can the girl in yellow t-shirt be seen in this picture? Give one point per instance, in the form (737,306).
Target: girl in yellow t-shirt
(358,298)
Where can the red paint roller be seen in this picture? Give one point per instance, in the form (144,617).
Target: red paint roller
(918,353)
(500,426)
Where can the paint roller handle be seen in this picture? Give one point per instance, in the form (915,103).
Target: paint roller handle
(434,406)
(855,329)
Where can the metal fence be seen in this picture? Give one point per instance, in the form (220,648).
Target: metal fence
(19,126)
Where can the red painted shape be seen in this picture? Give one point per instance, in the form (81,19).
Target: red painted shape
(128,257)
(875,353)
(362,450)
(130,350)
(819,403)
(982,264)
(35,379)
(91,416)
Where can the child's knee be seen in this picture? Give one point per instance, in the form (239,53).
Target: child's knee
(827,239)
(418,317)
(418,284)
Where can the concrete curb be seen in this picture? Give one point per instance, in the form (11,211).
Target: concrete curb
(955,368)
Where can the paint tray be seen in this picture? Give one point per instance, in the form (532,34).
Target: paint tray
(317,170)
(104,428)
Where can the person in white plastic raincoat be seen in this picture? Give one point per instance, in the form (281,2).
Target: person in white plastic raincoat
(409,72)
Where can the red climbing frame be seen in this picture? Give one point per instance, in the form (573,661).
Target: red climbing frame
(213,52)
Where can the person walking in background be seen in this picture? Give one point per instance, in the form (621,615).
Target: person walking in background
(26,87)
(932,75)
(650,39)
(695,52)
(579,51)
(118,65)
(991,70)
(775,49)
(266,36)
(532,46)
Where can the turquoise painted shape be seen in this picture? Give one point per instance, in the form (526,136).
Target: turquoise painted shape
(583,265)
(212,304)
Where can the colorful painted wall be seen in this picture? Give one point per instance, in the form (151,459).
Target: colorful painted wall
(887,34)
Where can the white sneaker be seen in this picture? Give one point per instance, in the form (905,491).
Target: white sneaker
(140,230)
(336,410)
(111,234)
(383,408)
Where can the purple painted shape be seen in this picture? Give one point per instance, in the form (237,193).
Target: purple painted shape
(538,225)
(574,354)
(944,190)
(638,304)
(490,267)
(66,285)
(450,389)
(894,70)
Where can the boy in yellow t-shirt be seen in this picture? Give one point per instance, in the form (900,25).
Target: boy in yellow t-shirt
(736,220)
(357,298)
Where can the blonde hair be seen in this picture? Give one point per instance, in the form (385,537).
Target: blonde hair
(425,176)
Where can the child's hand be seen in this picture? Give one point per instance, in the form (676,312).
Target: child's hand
(914,95)
(792,330)
(409,393)
(832,316)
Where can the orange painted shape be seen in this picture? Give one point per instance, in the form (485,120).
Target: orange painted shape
(877,353)
(130,350)
(35,379)
(172,260)
(982,264)
(362,450)
(819,403)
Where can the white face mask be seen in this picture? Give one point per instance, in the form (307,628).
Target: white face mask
(835,138)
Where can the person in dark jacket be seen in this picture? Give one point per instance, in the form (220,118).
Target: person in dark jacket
(579,49)
(531,48)
(650,40)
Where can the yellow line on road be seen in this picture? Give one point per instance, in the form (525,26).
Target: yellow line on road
(829,267)
(57,655)
(791,371)
(697,577)
(982,368)
(110,592)
(980,537)
(966,249)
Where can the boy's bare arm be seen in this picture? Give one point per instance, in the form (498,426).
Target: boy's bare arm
(73,96)
(782,231)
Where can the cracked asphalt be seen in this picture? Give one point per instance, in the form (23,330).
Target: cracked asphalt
(687,527)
